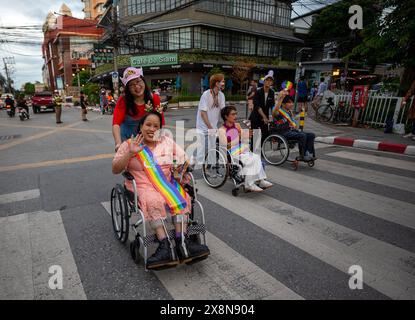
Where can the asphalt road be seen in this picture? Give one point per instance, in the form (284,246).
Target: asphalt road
(296,240)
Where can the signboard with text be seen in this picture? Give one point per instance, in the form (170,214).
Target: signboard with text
(360,96)
(154,60)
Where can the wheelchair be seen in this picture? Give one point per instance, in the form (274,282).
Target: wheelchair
(219,165)
(276,149)
(125,207)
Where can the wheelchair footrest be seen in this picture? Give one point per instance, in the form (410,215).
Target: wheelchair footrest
(191,230)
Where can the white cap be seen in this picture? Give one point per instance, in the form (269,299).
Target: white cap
(269,75)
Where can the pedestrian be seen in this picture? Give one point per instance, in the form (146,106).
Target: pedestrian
(302,95)
(250,94)
(319,95)
(136,101)
(83,106)
(229,86)
(57,100)
(178,83)
(263,102)
(103,101)
(211,103)
(411,110)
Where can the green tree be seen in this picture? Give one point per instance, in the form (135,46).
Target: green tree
(392,39)
(91,90)
(29,88)
(84,76)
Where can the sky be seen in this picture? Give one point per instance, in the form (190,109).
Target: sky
(28,58)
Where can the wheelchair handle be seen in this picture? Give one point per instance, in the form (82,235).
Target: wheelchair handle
(128,175)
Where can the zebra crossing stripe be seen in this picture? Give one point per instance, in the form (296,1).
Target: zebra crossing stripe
(386,267)
(32,243)
(19,196)
(378,177)
(392,210)
(372,159)
(225,273)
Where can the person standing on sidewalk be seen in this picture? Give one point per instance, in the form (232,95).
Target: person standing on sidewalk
(83,107)
(57,100)
(263,103)
(319,96)
(211,103)
(411,110)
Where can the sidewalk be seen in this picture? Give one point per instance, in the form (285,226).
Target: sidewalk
(365,138)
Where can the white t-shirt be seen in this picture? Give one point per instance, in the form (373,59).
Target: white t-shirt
(206,104)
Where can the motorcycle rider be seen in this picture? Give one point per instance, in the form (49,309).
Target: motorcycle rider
(10,102)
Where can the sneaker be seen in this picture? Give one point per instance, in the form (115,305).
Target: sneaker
(163,257)
(409,135)
(253,188)
(265,184)
(190,250)
(307,158)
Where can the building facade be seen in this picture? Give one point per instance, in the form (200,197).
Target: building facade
(67,47)
(204,35)
(93,9)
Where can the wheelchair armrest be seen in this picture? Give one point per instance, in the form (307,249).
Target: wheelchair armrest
(128,175)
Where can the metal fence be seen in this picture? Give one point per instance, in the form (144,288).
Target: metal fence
(379,108)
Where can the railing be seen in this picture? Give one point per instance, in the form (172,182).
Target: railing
(379,108)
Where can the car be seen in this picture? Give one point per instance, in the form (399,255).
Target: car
(3,97)
(42,101)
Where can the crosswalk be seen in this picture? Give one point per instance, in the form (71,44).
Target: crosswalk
(297,240)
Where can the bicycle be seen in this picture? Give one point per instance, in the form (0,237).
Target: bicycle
(342,114)
(324,112)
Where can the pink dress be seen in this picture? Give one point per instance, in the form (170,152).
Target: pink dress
(150,200)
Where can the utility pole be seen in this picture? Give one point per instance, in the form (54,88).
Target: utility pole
(115,45)
(8,61)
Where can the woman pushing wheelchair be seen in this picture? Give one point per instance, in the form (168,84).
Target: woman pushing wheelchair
(232,136)
(149,157)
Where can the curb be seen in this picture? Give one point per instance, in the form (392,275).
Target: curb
(368,144)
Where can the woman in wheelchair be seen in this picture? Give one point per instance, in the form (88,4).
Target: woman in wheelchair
(284,124)
(230,135)
(150,159)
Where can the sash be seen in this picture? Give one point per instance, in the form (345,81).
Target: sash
(238,149)
(287,117)
(172,192)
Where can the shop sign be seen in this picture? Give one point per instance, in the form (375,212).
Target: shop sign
(154,60)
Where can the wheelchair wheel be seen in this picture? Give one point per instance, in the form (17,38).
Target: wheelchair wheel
(215,168)
(135,250)
(275,149)
(311,163)
(119,213)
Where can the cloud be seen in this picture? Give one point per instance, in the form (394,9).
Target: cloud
(28,58)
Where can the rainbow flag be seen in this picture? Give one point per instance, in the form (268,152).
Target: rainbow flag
(238,149)
(172,192)
(287,85)
(287,116)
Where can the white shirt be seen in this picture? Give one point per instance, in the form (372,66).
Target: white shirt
(206,104)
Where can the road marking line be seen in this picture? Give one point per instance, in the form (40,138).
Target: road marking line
(385,266)
(378,177)
(40,135)
(380,161)
(19,196)
(392,210)
(30,244)
(56,162)
(224,275)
